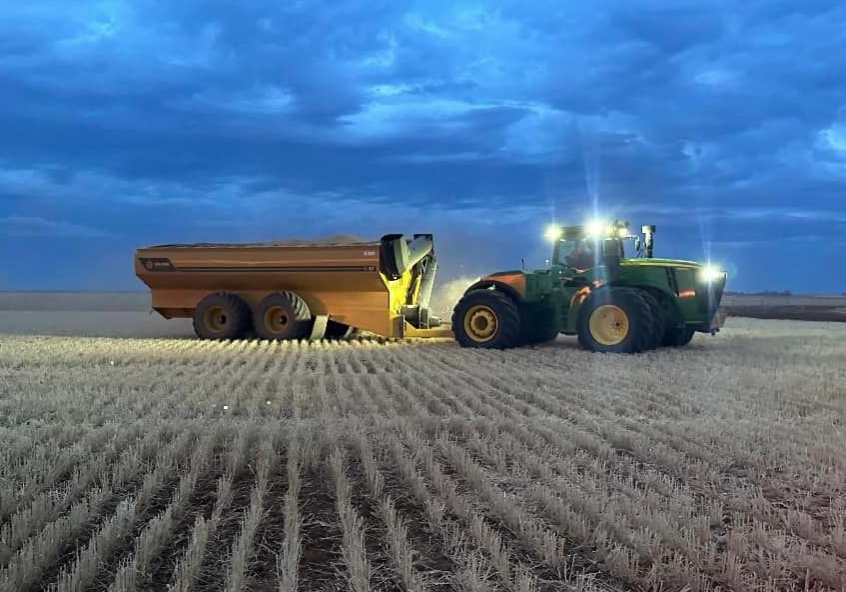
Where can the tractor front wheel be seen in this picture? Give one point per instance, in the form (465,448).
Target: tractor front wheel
(616,320)
(674,337)
(486,319)
(659,325)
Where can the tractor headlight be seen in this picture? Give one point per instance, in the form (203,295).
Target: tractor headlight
(711,274)
(553,233)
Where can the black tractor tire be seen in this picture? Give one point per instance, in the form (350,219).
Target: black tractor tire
(676,337)
(486,319)
(282,315)
(222,316)
(623,321)
(659,325)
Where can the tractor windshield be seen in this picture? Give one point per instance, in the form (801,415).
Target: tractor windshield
(577,253)
(585,252)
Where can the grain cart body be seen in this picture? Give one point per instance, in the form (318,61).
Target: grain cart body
(296,289)
(613,301)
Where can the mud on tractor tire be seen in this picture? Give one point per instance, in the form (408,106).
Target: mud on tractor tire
(487,319)
(617,320)
(282,315)
(222,316)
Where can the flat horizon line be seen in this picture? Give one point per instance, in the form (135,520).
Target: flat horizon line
(147,291)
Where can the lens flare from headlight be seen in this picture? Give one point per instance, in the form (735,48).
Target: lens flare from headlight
(711,273)
(553,233)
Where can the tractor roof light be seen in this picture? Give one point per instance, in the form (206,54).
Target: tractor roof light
(597,228)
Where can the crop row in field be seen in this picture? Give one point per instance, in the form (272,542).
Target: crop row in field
(188,465)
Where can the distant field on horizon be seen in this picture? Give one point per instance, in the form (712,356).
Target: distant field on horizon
(76,301)
(820,300)
(798,307)
(88,314)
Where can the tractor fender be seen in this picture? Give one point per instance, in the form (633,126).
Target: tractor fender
(506,289)
(574,308)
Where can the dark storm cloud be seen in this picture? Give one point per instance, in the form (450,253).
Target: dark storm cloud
(725,121)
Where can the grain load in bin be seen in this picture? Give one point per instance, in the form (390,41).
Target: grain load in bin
(296,289)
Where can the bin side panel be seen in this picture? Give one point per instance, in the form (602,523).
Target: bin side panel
(342,282)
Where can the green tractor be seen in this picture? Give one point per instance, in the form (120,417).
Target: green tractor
(592,289)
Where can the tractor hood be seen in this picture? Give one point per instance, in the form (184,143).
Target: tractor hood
(674,263)
(501,274)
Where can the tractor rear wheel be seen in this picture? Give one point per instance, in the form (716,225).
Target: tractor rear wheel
(675,337)
(282,315)
(221,316)
(616,320)
(486,319)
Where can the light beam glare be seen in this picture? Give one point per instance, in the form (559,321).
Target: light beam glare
(591,162)
(704,231)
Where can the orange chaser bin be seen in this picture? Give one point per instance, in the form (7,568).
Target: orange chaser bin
(296,289)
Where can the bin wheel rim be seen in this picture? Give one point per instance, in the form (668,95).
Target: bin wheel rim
(609,324)
(481,323)
(276,319)
(215,319)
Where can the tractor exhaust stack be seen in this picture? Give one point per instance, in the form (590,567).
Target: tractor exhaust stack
(649,240)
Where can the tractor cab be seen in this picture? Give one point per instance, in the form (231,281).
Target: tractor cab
(583,247)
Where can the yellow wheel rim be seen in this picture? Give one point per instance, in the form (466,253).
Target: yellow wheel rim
(215,319)
(609,324)
(276,319)
(480,323)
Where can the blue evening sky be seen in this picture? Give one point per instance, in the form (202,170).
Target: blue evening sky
(130,123)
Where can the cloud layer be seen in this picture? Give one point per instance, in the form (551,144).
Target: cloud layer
(136,122)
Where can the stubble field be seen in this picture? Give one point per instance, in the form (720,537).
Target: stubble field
(176,464)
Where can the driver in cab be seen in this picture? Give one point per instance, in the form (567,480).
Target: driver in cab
(583,255)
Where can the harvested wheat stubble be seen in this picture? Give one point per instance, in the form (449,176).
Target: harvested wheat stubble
(377,465)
